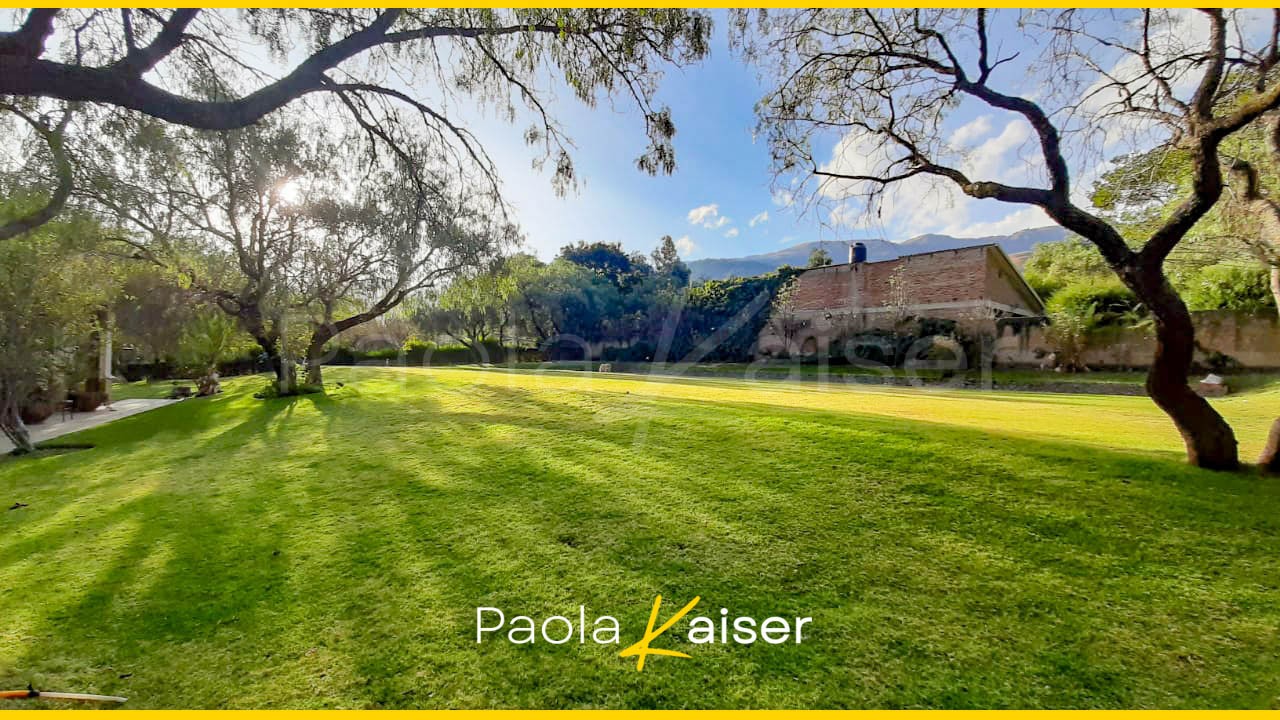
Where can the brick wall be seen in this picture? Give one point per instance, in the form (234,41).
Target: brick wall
(938,277)
(952,284)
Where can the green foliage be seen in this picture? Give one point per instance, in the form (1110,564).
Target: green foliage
(1227,286)
(211,337)
(52,282)
(666,261)
(609,260)
(1054,265)
(819,258)
(923,339)
(1105,301)
(271,391)
(1080,309)
(732,311)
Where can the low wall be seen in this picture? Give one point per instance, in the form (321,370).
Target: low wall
(1252,341)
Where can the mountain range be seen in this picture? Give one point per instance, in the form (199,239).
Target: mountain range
(1015,244)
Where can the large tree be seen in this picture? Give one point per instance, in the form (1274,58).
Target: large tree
(888,81)
(51,285)
(395,73)
(364,258)
(288,226)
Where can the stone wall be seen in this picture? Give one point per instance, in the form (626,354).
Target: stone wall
(1252,341)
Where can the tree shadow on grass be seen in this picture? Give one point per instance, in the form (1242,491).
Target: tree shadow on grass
(943,566)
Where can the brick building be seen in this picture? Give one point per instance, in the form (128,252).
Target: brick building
(973,286)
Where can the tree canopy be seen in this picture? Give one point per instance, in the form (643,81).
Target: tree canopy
(884,83)
(393,73)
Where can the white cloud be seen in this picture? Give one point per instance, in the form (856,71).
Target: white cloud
(731,233)
(970,132)
(998,158)
(1017,219)
(783,198)
(763,217)
(685,246)
(708,216)
(703,215)
(924,203)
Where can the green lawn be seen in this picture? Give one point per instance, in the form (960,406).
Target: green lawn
(1109,381)
(954,549)
(148,389)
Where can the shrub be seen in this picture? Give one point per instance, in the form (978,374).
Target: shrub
(1078,310)
(1106,302)
(1228,287)
(419,353)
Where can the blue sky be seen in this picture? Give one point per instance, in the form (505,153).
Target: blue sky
(720,165)
(720,201)
(723,181)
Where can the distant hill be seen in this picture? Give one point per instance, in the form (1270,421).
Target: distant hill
(798,255)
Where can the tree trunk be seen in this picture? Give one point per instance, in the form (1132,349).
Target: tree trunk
(320,336)
(286,375)
(14,429)
(285,368)
(1209,439)
(1269,461)
(315,375)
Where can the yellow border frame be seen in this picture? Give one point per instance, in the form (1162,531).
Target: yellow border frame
(125,714)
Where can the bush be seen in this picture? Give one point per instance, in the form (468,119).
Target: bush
(271,390)
(421,353)
(1105,303)
(1228,287)
(641,351)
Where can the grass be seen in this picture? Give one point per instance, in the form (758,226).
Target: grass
(955,549)
(1108,381)
(146,389)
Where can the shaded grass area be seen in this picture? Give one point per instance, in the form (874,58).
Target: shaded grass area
(954,549)
(147,389)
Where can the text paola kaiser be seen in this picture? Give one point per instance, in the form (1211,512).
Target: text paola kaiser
(493,624)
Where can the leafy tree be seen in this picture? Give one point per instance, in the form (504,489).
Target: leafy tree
(818,258)
(52,282)
(888,79)
(163,63)
(473,311)
(211,337)
(151,311)
(667,262)
(608,260)
(288,227)
(363,259)
(1243,229)
(1054,265)
(49,130)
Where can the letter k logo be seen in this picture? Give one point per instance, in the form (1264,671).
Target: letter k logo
(641,649)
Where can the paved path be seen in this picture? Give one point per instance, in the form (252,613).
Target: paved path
(55,426)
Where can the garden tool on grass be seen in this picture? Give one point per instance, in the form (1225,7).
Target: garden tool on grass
(33,694)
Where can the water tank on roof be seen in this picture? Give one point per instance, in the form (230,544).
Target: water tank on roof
(857,253)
